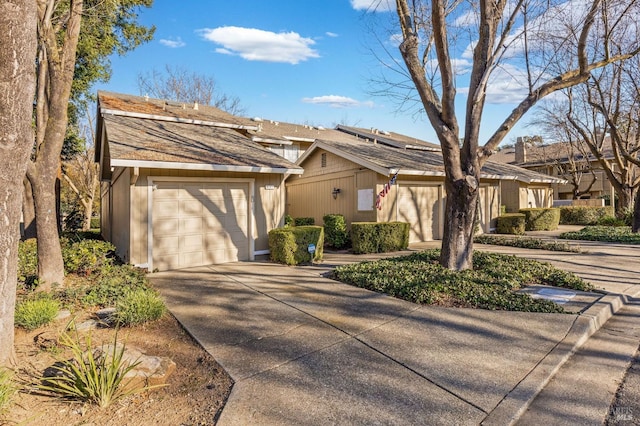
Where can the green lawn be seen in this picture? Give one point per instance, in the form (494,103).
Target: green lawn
(490,285)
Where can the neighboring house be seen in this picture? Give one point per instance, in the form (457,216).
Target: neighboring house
(345,171)
(182,185)
(582,174)
(287,140)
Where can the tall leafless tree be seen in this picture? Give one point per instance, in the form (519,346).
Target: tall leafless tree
(179,84)
(556,45)
(18,20)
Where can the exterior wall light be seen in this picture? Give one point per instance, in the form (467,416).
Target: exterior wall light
(335,193)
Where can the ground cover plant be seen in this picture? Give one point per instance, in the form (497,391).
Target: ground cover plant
(526,242)
(611,234)
(490,285)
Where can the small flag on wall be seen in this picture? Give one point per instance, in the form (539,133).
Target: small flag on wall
(385,191)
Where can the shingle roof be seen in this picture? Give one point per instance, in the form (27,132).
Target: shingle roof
(387,160)
(270,130)
(390,138)
(559,152)
(139,139)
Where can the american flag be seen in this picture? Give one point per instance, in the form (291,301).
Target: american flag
(385,191)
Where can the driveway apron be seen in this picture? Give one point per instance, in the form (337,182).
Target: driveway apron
(303,349)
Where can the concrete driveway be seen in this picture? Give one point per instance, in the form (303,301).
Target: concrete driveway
(303,349)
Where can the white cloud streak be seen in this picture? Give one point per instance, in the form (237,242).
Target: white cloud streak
(258,45)
(330,34)
(335,101)
(174,44)
(374,5)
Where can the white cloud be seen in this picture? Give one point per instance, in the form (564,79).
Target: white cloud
(174,44)
(258,45)
(373,5)
(330,34)
(336,101)
(507,85)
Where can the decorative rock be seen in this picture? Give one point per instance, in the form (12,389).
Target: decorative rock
(149,371)
(63,314)
(107,316)
(87,325)
(46,340)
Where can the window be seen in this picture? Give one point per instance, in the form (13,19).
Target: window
(323,160)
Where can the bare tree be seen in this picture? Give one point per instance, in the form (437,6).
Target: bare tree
(18,21)
(556,45)
(81,172)
(605,114)
(178,84)
(569,157)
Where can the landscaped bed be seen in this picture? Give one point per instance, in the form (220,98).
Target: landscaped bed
(611,234)
(525,242)
(492,284)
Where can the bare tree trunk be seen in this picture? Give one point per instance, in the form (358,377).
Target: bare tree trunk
(17,87)
(28,211)
(457,241)
(635,224)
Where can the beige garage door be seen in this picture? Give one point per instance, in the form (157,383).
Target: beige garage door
(419,205)
(199,223)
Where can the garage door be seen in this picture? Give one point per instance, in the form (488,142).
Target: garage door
(419,205)
(199,223)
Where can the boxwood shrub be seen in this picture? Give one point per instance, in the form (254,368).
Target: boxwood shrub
(511,223)
(538,219)
(290,245)
(304,221)
(379,237)
(584,215)
(335,230)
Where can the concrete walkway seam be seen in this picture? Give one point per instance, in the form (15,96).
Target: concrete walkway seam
(518,400)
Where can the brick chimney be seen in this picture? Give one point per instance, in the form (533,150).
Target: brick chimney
(521,151)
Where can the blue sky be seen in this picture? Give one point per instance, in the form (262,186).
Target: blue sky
(299,61)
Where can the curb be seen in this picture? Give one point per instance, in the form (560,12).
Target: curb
(518,400)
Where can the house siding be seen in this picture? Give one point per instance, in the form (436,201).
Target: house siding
(120,213)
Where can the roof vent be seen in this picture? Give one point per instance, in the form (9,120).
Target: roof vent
(146,97)
(320,128)
(258,119)
(384,132)
(195,106)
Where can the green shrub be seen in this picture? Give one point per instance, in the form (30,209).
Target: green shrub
(379,237)
(7,389)
(95,223)
(288,220)
(138,307)
(541,219)
(583,215)
(335,230)
(291,245)
(627,216)
(511,223)
(611,221)
(28,263)
(34,313)
(304,221)
(86,256)
(94,376)
(503,209)
(113,284)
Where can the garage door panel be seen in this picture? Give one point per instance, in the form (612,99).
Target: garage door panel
(190,208)
(419,206)
(199,223)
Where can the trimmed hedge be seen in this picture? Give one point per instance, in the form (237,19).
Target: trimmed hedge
(304,221)
(335,230)
(584,215)
(541,219)
(291,245)
(382,237)
(511,223)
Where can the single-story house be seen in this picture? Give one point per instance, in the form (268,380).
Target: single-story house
(577,171)
(182,185)
(345,171)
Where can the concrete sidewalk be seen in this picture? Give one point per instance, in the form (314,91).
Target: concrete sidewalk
(303,349)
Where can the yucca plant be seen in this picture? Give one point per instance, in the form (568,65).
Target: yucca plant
(7,389)
(93,376)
